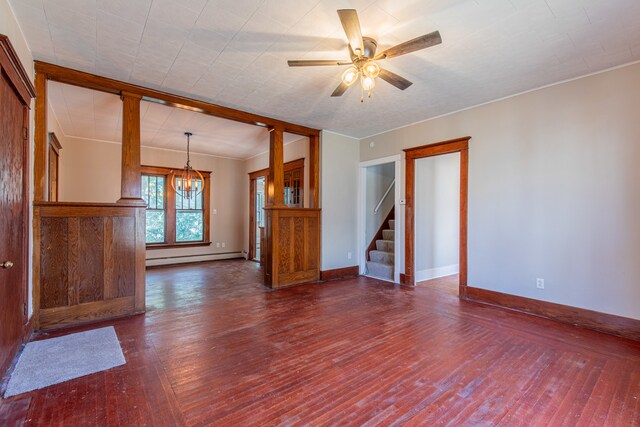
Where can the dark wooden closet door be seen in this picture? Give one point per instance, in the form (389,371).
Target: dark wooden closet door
(12,217)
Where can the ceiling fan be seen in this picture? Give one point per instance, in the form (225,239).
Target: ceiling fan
(362,51)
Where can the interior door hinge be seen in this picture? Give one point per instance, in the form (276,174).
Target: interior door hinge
(26,133)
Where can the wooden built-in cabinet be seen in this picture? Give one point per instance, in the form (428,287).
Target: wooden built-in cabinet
(294,184)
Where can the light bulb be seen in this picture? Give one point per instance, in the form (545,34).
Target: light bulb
(368,83)
(371,69)
(350,76)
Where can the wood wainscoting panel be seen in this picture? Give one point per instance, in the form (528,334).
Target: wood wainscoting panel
(292,246)
(340,273)
(124,250)
(89,262)
(88,258)
(88,312)
(54,233)
(602,322)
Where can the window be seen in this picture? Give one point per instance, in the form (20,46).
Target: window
(189,217)
(153,194)
(173,220)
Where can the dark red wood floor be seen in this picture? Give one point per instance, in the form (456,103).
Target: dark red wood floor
(216,348)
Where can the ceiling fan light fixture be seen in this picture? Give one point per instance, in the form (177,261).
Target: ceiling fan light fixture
(350,76)
(371,69)
(368,83)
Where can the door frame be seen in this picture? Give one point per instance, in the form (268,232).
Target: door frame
(399,218)
(458,145)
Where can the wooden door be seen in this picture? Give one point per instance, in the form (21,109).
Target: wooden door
(13,213)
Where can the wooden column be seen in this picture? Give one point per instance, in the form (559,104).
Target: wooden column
(275,190)
(131,175)
(314,171)
(40,139)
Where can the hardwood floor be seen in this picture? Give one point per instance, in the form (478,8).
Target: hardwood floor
(217,348)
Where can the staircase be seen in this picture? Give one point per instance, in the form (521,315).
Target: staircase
(380,262)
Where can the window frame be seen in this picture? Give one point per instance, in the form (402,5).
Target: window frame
(170,209)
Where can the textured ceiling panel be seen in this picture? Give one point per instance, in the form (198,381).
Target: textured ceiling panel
(89,114)
(234,52)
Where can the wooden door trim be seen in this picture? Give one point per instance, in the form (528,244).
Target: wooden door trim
(458,145)
(13,68)
(288,166)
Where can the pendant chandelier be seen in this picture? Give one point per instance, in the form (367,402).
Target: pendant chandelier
(188,183)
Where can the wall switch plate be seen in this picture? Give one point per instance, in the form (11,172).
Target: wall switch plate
(217,244)
(215,211)
(348,255)
(540,283)
(224,244)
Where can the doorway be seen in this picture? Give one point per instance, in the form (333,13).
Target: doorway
(259,212)
(461,146)
(437,205)
(381,219)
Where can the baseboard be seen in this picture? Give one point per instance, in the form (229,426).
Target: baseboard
(189,259)
(609,323)
(434,273)
(340,273)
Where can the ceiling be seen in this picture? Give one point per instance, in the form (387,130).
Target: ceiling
(234,52)
(85,113)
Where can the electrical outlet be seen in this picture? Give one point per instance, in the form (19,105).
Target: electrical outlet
(348,255)
(217,244)
(224,244)
(215,211)
(540,283)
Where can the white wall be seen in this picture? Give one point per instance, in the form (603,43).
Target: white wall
(338,200)
(90,172)
(378,177)
(552,190)
(10,28)
(437,205)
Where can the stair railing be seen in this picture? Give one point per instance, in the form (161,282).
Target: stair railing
(384,196)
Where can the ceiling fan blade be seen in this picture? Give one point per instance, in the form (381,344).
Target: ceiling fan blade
(316,62)
(418,43)
(351,25)
(396,80)
(340,90)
